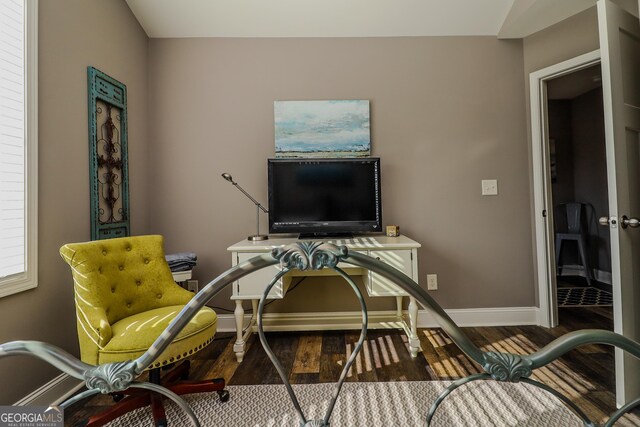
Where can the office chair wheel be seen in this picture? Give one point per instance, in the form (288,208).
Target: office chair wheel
(223,395)
(117,397)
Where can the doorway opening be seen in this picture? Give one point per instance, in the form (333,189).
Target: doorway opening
(578,193)
(563,79)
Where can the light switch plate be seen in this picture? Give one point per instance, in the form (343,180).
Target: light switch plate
(489,187)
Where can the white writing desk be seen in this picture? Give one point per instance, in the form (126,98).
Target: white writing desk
(400,252)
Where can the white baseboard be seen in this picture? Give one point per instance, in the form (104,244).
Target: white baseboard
(498,316)
(54,392)
(501,316)
(577,270)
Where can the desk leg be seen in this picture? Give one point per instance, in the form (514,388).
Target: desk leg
(238,346)
(399,307)
(414,341)
(254,305)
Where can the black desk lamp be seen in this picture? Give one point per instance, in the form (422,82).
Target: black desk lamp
(259,207)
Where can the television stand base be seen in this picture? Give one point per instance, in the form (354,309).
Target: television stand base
(325,236)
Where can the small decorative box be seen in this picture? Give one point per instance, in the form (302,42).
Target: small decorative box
(393,230)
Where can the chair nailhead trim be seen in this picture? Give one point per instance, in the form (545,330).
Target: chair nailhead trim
(185,354)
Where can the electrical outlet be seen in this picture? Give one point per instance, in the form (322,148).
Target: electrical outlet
(192,285)
(432,282)
(489,187)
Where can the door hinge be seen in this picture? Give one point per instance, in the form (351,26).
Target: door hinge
(544,213)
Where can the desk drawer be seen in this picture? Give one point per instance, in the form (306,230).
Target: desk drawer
(253,285)
(381,286)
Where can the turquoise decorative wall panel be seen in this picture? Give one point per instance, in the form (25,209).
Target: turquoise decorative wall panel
(108,161)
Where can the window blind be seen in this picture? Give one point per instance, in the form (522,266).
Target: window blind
(12,138)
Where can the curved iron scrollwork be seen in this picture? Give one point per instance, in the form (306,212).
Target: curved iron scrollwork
(507,366)
(305,256)
(111,377)
(110,166)
(310,255)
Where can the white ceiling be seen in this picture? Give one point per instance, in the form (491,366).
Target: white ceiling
(350,18)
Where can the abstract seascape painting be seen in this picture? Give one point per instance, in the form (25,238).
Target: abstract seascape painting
(322,128)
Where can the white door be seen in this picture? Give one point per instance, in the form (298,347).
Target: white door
(620,55)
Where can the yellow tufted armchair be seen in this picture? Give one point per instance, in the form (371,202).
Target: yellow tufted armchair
(125,297)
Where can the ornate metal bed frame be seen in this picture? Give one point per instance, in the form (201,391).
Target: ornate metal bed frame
(113,377)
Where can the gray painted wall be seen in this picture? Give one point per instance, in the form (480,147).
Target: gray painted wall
(560,121)
(72,35)
(446,112)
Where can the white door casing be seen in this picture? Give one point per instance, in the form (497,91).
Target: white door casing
(620,53)
(545,262)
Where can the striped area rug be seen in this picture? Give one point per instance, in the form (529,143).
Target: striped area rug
(482,403)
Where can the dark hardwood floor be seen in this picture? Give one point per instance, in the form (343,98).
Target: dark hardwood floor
(586,374)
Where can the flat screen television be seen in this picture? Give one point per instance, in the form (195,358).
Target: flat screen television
(324,197)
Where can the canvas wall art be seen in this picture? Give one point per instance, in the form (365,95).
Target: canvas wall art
(322,128)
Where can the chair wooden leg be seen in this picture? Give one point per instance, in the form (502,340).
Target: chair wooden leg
(204,386)
(157,409)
